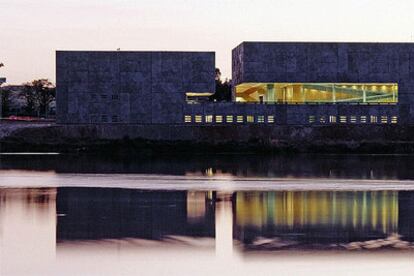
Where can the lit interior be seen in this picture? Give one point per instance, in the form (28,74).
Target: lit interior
(197,97)
(375,210)
(301,93)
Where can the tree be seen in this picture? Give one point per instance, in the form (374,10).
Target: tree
(223,89)
(5,101)
(38,95)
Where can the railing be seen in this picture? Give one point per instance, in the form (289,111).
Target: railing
(299,103)
(317,103)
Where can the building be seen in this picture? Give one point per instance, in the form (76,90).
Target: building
(279,83)
(16,104)
(130,87)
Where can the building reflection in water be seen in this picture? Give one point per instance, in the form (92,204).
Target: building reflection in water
(34,221)
(27,229)
(306,219)
(257,220)
(95,213)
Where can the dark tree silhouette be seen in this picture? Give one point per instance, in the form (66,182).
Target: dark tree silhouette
(38,95)
(223,88)
(5,101)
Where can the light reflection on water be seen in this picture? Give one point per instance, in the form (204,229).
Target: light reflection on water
(42,230)
(386,167)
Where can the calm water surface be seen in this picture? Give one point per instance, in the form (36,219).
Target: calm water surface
(235,215)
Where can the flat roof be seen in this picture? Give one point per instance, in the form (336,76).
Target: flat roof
(327,42)
(121,51)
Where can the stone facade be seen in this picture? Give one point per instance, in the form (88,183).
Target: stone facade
(129,87)
(331,63)
(150,87)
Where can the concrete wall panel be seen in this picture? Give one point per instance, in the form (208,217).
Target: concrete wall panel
(328,62)
(129,87)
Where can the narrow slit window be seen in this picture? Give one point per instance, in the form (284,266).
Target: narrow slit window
(312,119)
(209,118)
(353,119)
(374,119)
(198,119)
(219,119)
(240,119)
(187,118)
(363,119)
(271,119)
(260,119)
(342,119)
(384,119)
(332,119)
(229,118)
(322,119)
(394,120)
(115,119)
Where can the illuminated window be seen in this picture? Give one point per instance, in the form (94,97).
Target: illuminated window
(303,93)
(312,119)
(363,119)
(332,119)
(260,119)
(384,119)
(249,119)
(374,119)
(219,118)
(342,119)
(209,118)
(187,118)
(322,119)
(198,119)
(271,119)
(353,119)
(196,97)
(229,118)
(240,119)
(394,119)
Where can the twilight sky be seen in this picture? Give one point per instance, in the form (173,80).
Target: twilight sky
(31,30)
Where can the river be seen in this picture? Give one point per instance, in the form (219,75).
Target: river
(206,215)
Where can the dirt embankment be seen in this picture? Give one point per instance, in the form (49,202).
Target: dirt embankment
(49,137)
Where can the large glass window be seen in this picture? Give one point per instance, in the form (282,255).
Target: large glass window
(302,93)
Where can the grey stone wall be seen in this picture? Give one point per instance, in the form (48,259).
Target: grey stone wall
(150,87)
(129,87)
(330,62)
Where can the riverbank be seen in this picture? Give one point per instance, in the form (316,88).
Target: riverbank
(149,139)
